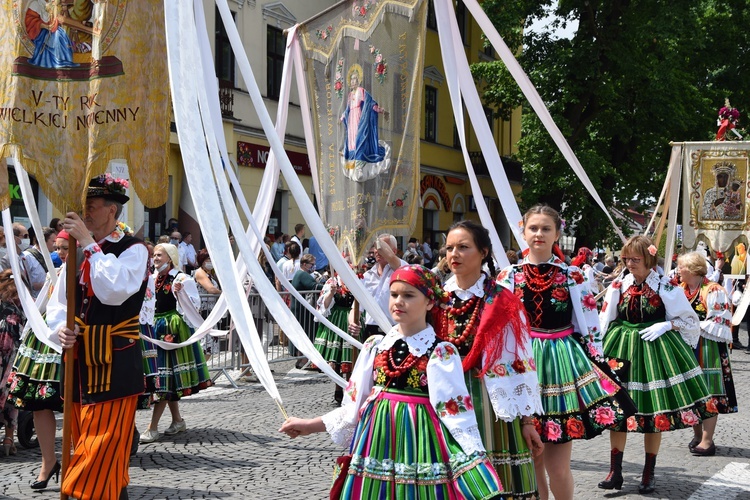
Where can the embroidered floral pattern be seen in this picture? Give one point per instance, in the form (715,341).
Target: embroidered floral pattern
(443,352)
(454,406)
(380,66)
(509,369)
(338,83)
(324,33)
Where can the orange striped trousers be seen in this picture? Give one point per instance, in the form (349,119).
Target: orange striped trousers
(102,434)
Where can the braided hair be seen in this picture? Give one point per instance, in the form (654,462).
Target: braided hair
(481,237)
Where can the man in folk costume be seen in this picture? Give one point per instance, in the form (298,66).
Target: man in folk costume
(108,371)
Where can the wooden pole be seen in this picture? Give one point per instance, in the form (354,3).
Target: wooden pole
(70,283)
(355,314)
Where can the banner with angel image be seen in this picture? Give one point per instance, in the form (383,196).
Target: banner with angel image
(365,63)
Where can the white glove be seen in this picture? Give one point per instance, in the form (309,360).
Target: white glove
(655,331)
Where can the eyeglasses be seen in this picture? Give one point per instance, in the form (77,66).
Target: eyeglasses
(25,235)
(633,260)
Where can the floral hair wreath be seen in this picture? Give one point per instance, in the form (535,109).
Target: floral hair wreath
(652,250)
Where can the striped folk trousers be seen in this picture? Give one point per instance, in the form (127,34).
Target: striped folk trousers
(102,434)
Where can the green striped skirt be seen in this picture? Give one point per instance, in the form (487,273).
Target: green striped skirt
(35,379)
(580,401)
(505,445)
(664,379)
(179,372)
(713,358)
(332,347)
(401,450)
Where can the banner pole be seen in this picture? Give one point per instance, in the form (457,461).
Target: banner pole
(69,358)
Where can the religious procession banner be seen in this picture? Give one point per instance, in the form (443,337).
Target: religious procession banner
(716,198)
(364,69)
(83,82)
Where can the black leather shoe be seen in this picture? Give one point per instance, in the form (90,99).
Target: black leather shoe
(40,485)
(704,452)
(693,443)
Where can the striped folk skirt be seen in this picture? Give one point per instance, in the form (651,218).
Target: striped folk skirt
(580,401)
(332,347)
(713,358)
(179,372)
(505,445)
(401,449)
(35,379)
(664,379)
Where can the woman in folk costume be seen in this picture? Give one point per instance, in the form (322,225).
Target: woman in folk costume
(650,323)
(487,325)
(710,301)
(335,302)
(583,261)
(35,387)
(408,409)
(580,395)
(182,371)
(11,324)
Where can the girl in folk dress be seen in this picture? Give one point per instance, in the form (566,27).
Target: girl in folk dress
(488,326)
(650,323)
(335,302)
(710,301)
(580,395)
(408,409)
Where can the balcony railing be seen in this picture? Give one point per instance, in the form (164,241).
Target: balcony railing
(226,99)
(513,169)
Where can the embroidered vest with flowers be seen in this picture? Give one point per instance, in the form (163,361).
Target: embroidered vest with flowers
(641,304)
(397,368)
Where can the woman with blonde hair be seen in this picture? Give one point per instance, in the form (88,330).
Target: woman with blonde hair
(182,371)
(711,302)
(649,323)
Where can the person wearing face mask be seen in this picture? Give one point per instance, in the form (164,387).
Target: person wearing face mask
(182,371)
(21,238)
(175,238)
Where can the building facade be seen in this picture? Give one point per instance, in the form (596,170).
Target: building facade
(445,192)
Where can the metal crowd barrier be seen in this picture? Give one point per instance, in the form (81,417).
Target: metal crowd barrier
(224,352)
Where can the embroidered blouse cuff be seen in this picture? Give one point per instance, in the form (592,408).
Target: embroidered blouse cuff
(338,426)
(91,249)
(469,439)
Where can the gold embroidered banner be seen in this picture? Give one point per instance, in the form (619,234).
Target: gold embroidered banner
(365,62)
(85,82)
(716,200)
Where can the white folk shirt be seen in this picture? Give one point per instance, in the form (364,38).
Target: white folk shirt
(114,279)
(379,286)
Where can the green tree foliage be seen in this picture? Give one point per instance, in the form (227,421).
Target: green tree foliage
(633,76)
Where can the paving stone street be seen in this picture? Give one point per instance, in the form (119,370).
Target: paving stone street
(232,450)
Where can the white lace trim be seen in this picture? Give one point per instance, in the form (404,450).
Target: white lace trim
(689,329)
(418,343)
(338,426)
(663,384)
(477,289)
(652,281)
(714,329)
(523,400)
(469,439)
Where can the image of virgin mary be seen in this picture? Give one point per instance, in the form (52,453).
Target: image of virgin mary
(52,46)
(364,155)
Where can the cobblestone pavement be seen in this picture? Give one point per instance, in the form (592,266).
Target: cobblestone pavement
(232,449)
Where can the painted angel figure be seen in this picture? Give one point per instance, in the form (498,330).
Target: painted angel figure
(364,155)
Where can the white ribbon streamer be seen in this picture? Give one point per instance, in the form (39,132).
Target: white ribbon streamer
(535,100)
(181,46)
